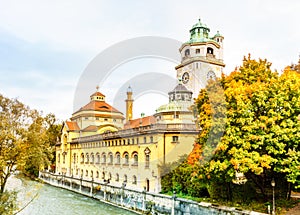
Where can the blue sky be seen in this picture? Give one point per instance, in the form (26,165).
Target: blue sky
(46,45)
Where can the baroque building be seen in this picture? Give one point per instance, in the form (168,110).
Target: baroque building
(99,143)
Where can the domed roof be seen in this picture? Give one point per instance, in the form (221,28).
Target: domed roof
(200,33)
(218,34)
(180,88)
(199,24)
(183,106)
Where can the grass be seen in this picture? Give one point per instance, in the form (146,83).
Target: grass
(282,205)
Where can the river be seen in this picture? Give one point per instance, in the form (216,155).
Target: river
(47,200)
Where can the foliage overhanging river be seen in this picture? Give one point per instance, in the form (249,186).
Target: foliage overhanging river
(48,200)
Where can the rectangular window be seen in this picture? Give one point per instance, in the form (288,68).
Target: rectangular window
(174,138)
(145,139)
(147,163)
(197,51)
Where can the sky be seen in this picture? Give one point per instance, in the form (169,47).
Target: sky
(45,46)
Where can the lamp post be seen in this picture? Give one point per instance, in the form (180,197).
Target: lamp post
(273,186)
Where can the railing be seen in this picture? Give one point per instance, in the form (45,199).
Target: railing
(139,201)
(209,57)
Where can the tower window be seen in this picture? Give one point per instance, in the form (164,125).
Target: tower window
(210,50)
(187,52)
(197,51)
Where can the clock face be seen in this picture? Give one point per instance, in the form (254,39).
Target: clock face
(185,78)
(211,75)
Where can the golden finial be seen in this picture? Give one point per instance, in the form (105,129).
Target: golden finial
(97,88)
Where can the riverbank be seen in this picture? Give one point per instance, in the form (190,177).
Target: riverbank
(139,201)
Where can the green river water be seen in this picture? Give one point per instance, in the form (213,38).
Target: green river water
(47,200)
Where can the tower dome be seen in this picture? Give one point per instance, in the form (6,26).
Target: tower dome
(199,32)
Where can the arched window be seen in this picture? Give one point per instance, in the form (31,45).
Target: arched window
(187,52)
(118,158)
(82,158)
(87,158)
(135,159)
(97,158)
(92,158)
(103,175)
(147,157)
(92,174)
(110,158)
(125,178)
(97,174)
(81,173)
(58,158)
(103,158)
(197,51)
(134,180)
(210,50)
(86,173)
(126,158)
(117,177)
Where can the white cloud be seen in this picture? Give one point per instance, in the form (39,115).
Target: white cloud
(266,29)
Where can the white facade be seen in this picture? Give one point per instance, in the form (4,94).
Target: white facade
(201,58)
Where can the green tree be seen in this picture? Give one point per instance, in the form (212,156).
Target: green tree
(261,139)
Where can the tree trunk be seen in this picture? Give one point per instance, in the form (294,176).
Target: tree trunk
(229,192)
(259,185)
(289,191)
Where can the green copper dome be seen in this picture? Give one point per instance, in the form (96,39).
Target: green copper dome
(200,33)
(218,34)
(183,106)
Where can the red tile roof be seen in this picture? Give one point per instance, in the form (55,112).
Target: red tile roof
(91,128)
(148,120)
(99,106)
(97,94)
(72,126)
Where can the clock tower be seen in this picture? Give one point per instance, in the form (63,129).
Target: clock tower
(201,58)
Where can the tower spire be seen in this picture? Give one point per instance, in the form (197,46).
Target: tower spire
(129,104)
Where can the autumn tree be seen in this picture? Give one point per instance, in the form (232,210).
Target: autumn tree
(40,142)
(13,120)
(295,67)
(261,135)
(27,139)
